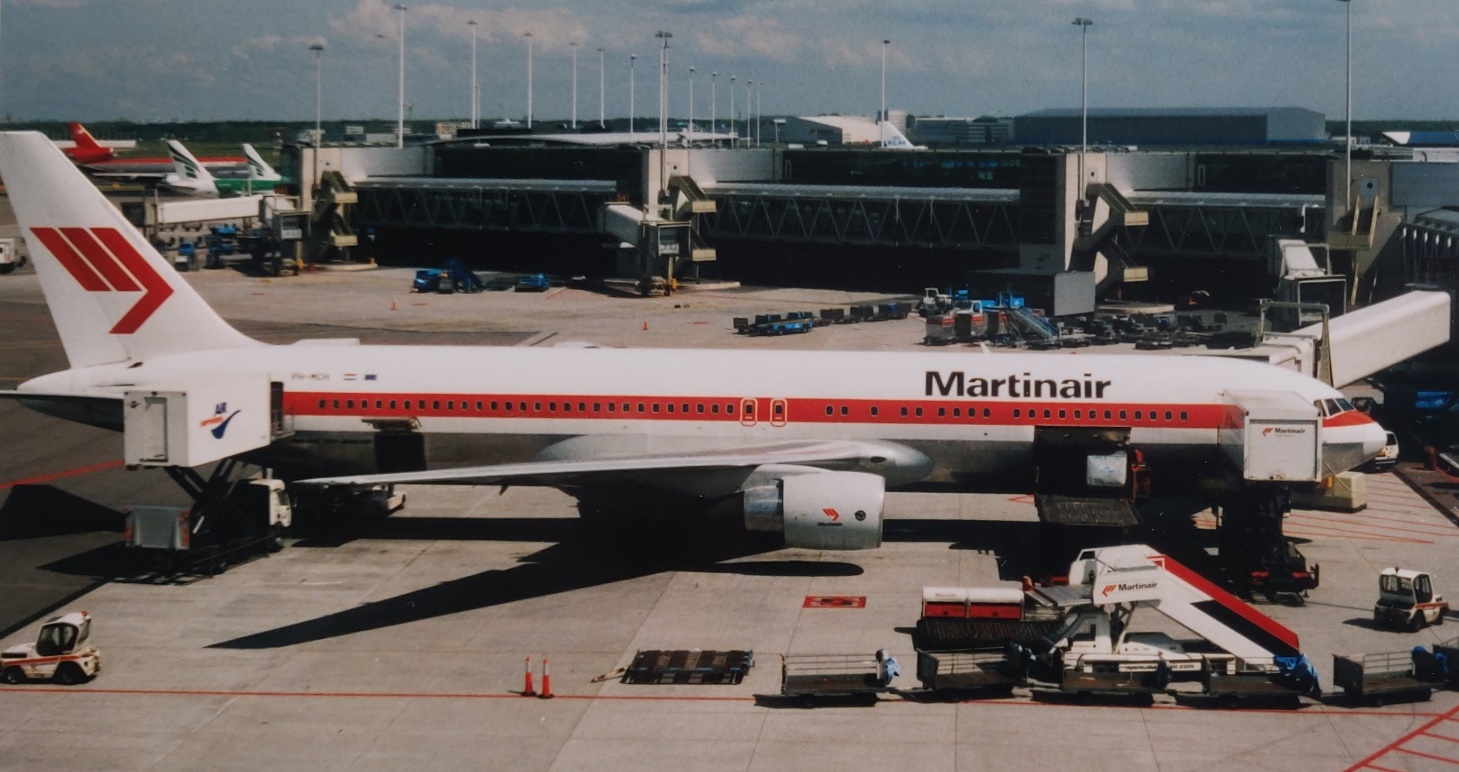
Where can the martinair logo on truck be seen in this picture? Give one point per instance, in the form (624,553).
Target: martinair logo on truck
(217,421)
(1282,431)
(957,384)
(101,260)
(1122,587)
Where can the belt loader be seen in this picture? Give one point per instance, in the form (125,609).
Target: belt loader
(1242,652)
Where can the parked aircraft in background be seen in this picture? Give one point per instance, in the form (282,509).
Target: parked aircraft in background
(893,139)
(191,177)
(804,443)
(85,149)
(143,169)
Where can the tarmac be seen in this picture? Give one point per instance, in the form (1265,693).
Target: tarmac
(402,644)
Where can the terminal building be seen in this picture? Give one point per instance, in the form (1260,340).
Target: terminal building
(1194,126)
(1059,226)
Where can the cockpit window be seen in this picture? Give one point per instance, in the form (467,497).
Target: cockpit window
(1345,405)
(1329,407)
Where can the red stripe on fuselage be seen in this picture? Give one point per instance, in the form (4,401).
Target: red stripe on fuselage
(1348,418)
(805,410)
(1231,602)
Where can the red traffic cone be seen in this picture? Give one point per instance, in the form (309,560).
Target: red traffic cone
(546,682)
(527,690)
(392,304)
(645,325)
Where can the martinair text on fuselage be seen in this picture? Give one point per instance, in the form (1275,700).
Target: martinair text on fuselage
(958,384)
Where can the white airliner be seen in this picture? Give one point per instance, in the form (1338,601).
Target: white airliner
(803,442)
(894,139)
(189,177)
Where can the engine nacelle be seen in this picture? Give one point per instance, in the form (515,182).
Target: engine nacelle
(820,510)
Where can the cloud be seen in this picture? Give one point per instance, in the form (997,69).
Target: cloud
(749,35)
(373,19)
(269,44)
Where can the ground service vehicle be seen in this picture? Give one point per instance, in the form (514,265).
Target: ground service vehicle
(1406,599)
(809,676)
(1240,652)
(9,260)
(62,652)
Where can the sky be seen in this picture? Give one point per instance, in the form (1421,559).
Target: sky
(206,60)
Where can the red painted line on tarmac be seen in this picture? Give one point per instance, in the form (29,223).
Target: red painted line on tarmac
(1445,527)
(1337,533)
(1442,737)
(80,470)
(1423,755)
(1405,738)
(1297,713)
(1446,533)
(1383,769)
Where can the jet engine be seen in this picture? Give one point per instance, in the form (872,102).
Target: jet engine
(819,510)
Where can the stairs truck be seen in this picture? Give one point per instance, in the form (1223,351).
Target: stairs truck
(1240,651)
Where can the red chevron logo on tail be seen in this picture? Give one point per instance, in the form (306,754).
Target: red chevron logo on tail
(101,260)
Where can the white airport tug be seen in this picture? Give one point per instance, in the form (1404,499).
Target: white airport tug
(61,653)
(1406,599)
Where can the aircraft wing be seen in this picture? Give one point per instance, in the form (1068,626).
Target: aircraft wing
(831,454)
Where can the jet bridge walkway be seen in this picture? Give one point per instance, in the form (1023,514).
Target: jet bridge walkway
(542,206)
(871,215)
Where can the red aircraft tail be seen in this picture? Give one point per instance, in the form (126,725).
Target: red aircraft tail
(86,150)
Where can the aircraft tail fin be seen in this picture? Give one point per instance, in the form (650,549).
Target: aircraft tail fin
(82,138)
(893,138)
(185,165)
(257,167)
(112,295)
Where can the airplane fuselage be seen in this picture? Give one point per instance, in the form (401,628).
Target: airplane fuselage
(367,409)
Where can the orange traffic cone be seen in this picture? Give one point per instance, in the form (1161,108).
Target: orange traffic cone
(392,304)
(546,682)
(645,325)
(527,690)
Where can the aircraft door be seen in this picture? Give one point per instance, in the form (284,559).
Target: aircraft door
(778,411)
(747,412)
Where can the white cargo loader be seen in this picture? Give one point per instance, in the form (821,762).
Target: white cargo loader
(62,652)
(1272,436)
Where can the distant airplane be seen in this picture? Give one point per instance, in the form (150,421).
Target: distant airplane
(190,177)
(804,443)
(134,169)
(892,139)
(259,177)
(86,150)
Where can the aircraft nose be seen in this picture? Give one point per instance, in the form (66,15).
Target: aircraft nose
(1374,438)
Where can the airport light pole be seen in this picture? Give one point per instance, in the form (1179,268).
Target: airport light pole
(734,137)
(1083,24)
(713,102)
(631,59)
(318,49)
(759,116)
(881,122)
(663,110)
(474,111)
(574,85)
(400,85)
(689,133)
(1347,141)
(529,80)
(602,111)
(749,110)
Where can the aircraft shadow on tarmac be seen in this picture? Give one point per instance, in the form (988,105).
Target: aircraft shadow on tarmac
(580,559)
(32,511)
